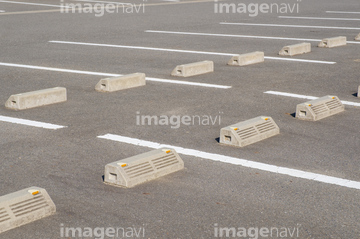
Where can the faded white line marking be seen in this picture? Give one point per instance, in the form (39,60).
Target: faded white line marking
(291,26)
(343,12)
(320,18)
(306,97)
(35,4)
(30,123)
(242,36)
(94,1)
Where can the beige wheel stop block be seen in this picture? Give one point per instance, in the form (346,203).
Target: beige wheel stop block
(320,108)
(247,59)
(143,167)
(193,69)
(333,42)
(357,38)
(36,98)
(296,49)
(121,82)
(248,132)
(24,206)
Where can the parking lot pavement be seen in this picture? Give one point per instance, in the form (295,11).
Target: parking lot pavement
(302,183)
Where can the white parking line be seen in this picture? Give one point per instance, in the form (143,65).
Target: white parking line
(320,18)
(291,26)
(35,4)
(188,51)
(2,11)
(30,123)
(241,36)
(236,161)
(94,1)
(111,75)
(306,97)
(299,60)
(343,12)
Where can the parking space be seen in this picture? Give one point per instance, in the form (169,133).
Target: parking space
(64,147)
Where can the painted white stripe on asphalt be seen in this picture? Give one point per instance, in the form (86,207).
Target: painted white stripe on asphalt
(2,11)
(187,51)
(143,48)
(321,18)
(229,35)
(306,97)
(36,4)
(188,83)
(57,69)
(342,12)
(112,75)
(236,161)
(291,95)
(299,60)
(30,123)
(293,26)
(90,1)
(241,36)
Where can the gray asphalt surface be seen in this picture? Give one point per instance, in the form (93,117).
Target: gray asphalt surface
(69,162)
